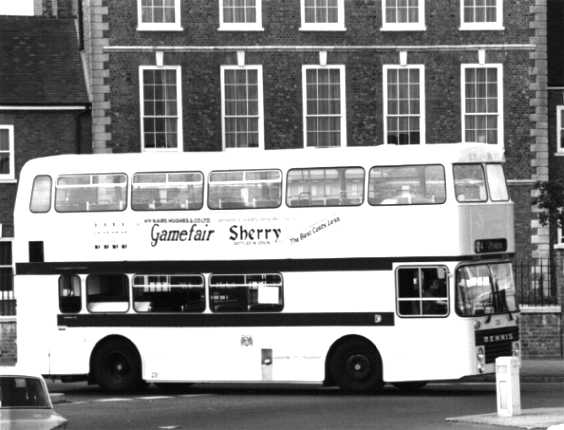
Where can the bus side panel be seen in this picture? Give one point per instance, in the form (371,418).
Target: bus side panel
(37,308)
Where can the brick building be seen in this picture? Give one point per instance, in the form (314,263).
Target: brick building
(200,75)
(44,110)
(197,51)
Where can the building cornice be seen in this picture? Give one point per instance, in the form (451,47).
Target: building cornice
(314,48)
(45,107)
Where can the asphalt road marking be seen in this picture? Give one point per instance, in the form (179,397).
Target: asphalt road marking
(114,399)
(154,397)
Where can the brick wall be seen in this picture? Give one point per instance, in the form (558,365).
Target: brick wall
(281,21)
(282,89)
(8,349)
(38,134)
(541,335)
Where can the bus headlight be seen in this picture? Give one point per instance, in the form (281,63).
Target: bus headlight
(481,358)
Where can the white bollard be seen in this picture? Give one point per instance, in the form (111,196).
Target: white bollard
(507,386)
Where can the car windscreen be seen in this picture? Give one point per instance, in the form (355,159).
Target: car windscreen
(22,392)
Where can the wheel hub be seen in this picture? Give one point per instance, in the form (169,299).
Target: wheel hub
(358,366)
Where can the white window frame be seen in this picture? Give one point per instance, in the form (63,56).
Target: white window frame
(479,26)
(421,68)
(559,129)
(11,175)
(404,26)
(258,68)
(341,67)
(12,265)
(241,26)
(324,26)
(179,132)
(500,99)
(159,26)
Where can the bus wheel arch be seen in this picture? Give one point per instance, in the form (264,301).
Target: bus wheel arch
(115,364)
(354,364)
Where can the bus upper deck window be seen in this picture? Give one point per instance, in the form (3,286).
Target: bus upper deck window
(407,185)
(167,191)
(337,186)
(469,183)
(41,194)
(245,189)
(496,182)
(91,192)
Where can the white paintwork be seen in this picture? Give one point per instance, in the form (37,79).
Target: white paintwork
(411,349)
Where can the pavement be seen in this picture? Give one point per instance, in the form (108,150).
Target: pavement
(534,418)
(531,371)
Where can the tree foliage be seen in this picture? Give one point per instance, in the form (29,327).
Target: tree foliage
(550,202)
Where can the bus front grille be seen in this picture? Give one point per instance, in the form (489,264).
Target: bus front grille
(498,349)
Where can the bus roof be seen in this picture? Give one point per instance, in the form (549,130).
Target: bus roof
(254,159)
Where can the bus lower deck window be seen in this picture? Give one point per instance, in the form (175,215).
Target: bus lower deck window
(107,293)
(168,293)
(69,294)
(246,293)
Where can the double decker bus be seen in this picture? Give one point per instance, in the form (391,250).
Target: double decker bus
(353,267)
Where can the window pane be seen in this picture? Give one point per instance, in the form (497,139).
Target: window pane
(407,185)
(481,105)
(91,193)
(323,107)
(246,292)
(41,194)
(160,121)
(168,293)
(157,11)
(422,291)
(107,293)
(167,191)
(69,294)
(340,186)
(496,182)
(403,106)
(4,139)
(245,189)
(469,183)
(241,108)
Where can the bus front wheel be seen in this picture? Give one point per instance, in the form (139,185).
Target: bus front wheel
(117,367)
(356,367)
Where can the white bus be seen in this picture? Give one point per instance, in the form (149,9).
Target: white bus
(352,267)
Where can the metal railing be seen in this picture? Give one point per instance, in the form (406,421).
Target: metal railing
(535,282)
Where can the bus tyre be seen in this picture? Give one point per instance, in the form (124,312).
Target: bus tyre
(117,367)
(356,367)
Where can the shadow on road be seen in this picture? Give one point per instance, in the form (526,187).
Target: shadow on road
(432,390)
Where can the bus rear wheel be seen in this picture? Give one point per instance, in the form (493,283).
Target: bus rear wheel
(117,367)
(356,367)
